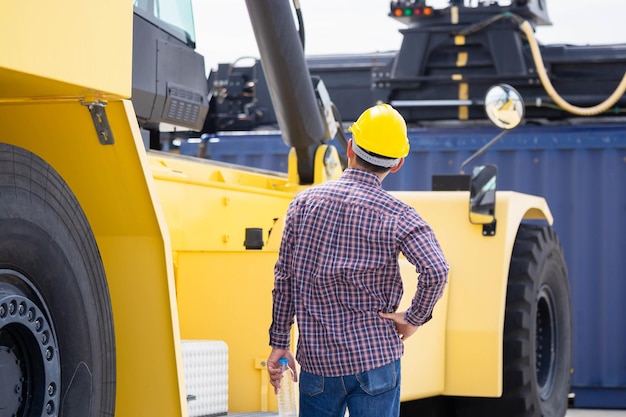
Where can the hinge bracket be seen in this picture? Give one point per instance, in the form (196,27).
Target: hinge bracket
(100,122)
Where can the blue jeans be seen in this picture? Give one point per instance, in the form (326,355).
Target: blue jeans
(374,393)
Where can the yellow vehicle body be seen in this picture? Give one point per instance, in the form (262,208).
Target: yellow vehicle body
(224,290)
(171,230)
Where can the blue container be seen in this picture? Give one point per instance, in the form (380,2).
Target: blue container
(581,171)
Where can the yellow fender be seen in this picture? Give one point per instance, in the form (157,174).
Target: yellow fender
(117,193)
(460,351)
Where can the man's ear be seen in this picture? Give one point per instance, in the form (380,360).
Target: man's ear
(349,150)
(397,167)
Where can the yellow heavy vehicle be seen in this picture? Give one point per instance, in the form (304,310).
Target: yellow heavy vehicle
(114,258)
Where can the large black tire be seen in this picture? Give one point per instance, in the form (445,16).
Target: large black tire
(537,333)
(57,347)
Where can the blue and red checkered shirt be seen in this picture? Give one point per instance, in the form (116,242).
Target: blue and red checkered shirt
(338,267)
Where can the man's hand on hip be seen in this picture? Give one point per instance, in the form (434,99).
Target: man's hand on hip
(403,327)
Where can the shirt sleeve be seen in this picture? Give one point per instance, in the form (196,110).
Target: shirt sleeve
(421,247)
(283,310)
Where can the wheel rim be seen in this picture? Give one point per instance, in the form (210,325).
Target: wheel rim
(30,371)
(546,342)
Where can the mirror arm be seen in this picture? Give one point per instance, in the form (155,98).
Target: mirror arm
(482,150)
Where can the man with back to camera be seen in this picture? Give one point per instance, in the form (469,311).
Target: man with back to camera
(338,273)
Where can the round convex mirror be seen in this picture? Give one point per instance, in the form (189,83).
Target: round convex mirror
(504,106)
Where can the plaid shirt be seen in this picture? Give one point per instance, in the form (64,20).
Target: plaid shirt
(338,267)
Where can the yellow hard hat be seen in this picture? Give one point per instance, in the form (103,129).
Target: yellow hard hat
(381,129)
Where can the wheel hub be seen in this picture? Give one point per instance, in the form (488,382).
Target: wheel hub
(30,372)
(546,349)
(10,384)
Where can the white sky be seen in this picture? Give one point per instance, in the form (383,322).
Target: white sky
(224,33)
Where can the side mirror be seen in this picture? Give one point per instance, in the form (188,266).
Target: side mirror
(504,106)
(483,198)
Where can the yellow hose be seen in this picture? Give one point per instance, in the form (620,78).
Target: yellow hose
(547,84)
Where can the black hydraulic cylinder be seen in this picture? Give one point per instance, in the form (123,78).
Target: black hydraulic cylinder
(289,80)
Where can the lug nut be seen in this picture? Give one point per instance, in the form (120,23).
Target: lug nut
(50,407)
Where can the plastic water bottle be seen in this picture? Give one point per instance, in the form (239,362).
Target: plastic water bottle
(287,391)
